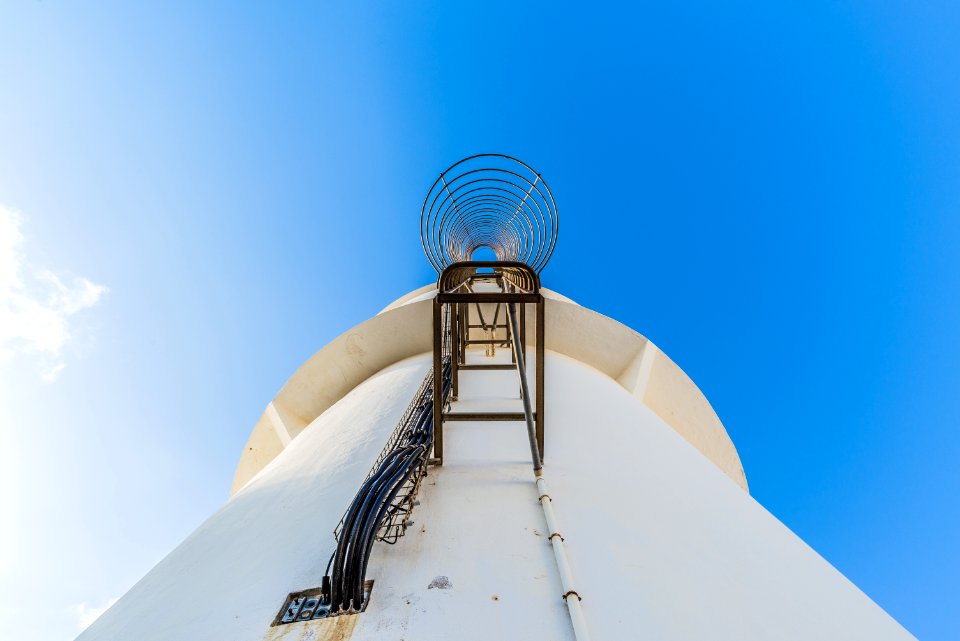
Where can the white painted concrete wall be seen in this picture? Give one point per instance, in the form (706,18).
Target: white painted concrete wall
(663,543)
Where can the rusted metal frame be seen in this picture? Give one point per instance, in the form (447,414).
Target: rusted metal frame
(523,329)
(529,191)
(454,349)
(520,275)
(483,321)
(453,198)
(486,222)
(455,276)
(521,280)
(438,381)
(509,287)
(481,220)
(481,201)
(541,367)
(464,332)
(488,297)
(523,336)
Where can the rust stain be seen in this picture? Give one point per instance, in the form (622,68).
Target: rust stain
(356,346)
(333,629)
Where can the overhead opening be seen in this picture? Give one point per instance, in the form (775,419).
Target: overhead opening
(484,253)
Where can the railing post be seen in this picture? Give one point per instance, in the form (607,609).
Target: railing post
(541,349)
(465,326)
(523,328)
(455,348)
(438,381)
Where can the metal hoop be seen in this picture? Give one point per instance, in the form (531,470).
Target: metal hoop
(489,200)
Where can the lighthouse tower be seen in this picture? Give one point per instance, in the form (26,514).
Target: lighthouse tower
(487,459)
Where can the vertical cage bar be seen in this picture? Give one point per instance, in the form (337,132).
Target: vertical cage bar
(437,381)
(455,349)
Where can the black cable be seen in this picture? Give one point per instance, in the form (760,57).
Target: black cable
(374,504)
(345,535)
(368,535)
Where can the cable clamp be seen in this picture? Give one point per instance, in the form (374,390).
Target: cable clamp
(550,538)
(541,497)
(574,593)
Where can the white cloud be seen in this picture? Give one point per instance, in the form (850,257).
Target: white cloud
(35,303)
(52,373)
(86,614)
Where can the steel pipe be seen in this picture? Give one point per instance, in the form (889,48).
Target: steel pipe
(570,594)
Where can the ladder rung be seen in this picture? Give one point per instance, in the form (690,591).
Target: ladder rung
(511,366)
(486,416)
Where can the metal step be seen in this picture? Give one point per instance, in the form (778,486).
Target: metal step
(485,416)
(500,366)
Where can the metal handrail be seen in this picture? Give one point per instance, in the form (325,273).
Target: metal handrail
(520,275)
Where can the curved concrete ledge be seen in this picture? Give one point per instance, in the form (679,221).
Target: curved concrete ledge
(427,291)
(404,329)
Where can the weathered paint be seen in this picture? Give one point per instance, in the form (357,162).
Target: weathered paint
(332,629)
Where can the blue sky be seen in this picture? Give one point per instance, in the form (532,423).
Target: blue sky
(195,199)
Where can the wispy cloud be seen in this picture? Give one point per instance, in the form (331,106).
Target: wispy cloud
(35,303)
(86,614)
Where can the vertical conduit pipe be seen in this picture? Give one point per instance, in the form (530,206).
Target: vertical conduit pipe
(570,595)
(524,388)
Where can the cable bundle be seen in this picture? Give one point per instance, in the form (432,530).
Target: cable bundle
(401,465)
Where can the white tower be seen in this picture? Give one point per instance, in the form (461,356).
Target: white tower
(568,481)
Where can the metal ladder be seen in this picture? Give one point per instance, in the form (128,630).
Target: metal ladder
(506,286)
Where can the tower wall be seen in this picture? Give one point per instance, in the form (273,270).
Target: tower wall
(663,543)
